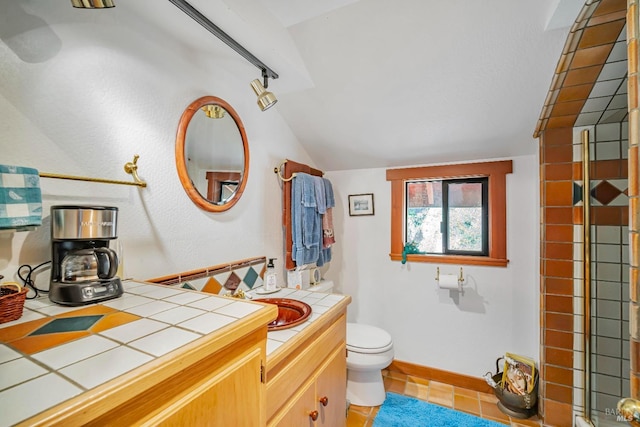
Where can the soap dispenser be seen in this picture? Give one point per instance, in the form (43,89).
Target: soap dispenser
(270,277)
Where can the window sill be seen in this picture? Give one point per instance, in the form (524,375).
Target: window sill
(453,259)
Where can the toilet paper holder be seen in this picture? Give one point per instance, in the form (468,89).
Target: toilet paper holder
(460,279)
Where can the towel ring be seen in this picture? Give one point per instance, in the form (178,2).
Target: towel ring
(278,171)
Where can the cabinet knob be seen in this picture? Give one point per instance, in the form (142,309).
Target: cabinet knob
(313,415)
(324,400)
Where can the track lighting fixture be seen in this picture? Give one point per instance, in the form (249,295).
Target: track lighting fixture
(266,99)
(92,4)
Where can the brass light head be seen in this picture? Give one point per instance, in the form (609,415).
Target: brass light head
(92,4)
(266,99)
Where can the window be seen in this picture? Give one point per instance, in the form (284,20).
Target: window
(450,214)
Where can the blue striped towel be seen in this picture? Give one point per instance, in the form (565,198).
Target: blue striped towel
(20,198)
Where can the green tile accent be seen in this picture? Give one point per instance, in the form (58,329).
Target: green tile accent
(68,324)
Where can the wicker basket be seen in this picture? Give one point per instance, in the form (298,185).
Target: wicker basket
(12,297)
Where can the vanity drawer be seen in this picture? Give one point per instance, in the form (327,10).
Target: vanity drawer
(303,365)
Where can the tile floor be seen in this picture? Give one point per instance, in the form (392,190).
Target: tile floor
(470,401)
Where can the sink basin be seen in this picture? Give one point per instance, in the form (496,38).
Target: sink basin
(291,312)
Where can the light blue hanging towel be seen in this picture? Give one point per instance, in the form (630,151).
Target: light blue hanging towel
(20,198)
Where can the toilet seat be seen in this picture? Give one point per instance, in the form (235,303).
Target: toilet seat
(367,339)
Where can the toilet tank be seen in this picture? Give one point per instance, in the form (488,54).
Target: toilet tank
(325,286)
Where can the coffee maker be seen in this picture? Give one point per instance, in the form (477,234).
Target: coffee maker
(83,266)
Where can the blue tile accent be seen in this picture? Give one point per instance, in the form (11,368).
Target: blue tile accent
(250,277)
(68,324)
(577,193)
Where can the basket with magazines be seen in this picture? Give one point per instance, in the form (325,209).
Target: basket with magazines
(516,386)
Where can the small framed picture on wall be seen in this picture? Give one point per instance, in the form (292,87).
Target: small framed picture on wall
(360,204)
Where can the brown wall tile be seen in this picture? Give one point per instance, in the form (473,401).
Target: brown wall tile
(590,56)
(558,215)
(558,172)
(557,137)
(614,16)
(601,34)
(559,322)
(632,96)
(558,268)
(610,6)
(576,93)
(571,108)
(633,171)
(558,193)
(558,357)
(558,233)
(559,393)
(558,304)
(558,251)
(578,217)
(561,121)
(558,339)
(558,286)
(609,215)
(557,414)
(608,169)
(582,75)
(558,375)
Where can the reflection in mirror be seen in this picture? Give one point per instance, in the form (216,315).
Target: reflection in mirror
(212,155)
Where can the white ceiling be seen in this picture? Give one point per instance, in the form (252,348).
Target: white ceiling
(374,83)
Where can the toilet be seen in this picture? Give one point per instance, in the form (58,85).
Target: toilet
(369,350)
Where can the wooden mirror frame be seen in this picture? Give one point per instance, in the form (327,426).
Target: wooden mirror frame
(181,163)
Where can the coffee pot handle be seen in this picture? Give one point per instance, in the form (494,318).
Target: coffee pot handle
(112,257)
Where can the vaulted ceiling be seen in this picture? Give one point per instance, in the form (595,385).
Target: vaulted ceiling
(379,84)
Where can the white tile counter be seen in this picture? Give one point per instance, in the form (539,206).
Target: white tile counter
(43,365)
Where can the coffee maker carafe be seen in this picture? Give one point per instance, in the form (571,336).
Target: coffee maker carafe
(83,266)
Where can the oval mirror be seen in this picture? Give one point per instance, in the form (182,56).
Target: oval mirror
(212,154)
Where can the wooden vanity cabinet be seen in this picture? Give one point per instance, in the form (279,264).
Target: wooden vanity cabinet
(311,381)
(218,380)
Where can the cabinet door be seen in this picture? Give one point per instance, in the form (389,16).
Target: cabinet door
(299,413)
(331,390)
(230,397)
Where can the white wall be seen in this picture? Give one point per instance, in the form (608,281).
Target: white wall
(82,91)
(499,310)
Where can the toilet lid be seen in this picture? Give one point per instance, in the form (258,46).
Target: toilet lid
(367,338)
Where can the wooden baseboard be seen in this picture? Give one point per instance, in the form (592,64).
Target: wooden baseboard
(433,374)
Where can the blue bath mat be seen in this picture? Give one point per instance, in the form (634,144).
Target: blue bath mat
(403,411)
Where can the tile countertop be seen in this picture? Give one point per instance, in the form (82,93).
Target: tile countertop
(74,349)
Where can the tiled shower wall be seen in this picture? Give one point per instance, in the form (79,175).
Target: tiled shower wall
(561,270)
(633,9)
